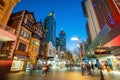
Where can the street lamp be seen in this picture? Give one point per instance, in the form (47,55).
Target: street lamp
(79,45)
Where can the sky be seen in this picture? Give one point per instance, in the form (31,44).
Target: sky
(68,16)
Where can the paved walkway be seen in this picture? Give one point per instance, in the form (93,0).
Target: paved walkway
(113,75)
(68,75)
(64,74)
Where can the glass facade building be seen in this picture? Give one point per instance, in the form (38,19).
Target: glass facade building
(62,37)
(50,28)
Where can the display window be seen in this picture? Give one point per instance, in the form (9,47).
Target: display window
(17,65)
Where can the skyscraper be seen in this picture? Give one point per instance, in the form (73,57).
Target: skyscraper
(62,38)
(50,28)
(57,43)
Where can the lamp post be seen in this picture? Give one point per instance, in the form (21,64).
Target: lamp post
(79,45)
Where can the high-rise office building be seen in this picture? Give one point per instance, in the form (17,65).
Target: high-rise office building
(92,19)
(57,43)
(103,18)
(106,41)
(62,38)
(50,28)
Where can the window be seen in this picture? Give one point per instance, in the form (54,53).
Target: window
(25,34)
(28,36)
(22,46)
(29,24)
(50,53)
(108,12)
(33,42)
(1,4)
(21,32)
(35,50)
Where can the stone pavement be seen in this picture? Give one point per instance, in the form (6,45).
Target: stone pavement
(113,75)
(69,75)
(64,74)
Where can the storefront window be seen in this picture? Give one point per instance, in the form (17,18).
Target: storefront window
(17,65)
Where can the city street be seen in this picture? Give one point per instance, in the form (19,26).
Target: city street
(53,75)
(56,74)
(63,74)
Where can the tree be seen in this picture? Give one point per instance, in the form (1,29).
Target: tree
(69,57)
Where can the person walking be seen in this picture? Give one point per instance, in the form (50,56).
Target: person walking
(88,69)
(44,69)
(92,67)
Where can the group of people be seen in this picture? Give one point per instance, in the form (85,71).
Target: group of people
(90,68)
(44,68)
(87,68)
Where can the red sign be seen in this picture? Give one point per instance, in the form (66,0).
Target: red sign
(5,62)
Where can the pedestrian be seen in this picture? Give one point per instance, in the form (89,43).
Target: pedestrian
(102,67)
(83,68)
(92,67)
(31,69)
(67,65)
(88,69)
(44,69)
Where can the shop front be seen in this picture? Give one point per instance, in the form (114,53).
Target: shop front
(19,63)
(112,61)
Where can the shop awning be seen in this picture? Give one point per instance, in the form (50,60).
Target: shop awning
(6,36)
(110,38)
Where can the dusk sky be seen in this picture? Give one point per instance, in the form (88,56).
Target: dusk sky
(68,14)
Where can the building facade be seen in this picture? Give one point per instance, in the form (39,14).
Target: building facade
(107,17)
(62,38)
(57,43)
(36,41)
(91,18)
(6,32)
(50,28)
(23,22)
(6,36)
